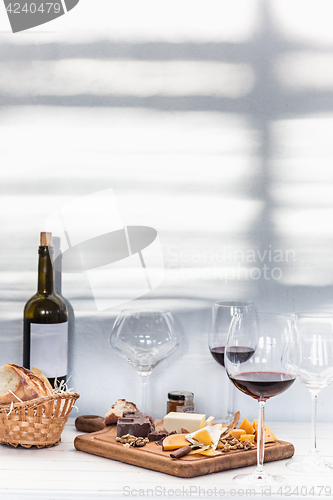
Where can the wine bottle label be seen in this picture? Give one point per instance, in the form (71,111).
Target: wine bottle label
(49,348)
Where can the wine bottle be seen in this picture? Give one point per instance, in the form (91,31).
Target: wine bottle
(45,332)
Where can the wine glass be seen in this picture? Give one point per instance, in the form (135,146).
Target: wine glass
(315,332)
(144,338)
(268,369)
(222,313)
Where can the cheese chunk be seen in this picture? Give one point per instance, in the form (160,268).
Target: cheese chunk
(237,433)
(176,421)
(209,421)
(174,441)
(209,453)
(247,437)
(204,437)
(269,435)
(248,428)
(208,436)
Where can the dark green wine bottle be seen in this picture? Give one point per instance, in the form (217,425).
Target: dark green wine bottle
(45,332)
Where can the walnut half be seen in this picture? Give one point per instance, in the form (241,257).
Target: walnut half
(129,440)
(235,444)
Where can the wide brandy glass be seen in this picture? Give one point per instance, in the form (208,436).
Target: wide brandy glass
(315,333)
(222,314)
(144,338)
(268,369)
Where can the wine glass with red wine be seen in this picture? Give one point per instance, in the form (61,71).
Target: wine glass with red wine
(315,332)
(268,372)
(222,314)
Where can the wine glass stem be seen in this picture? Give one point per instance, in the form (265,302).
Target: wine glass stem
(261,438)
(314,424)
(144,380)
(231,392)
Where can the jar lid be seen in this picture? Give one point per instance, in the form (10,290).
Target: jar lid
(180,395)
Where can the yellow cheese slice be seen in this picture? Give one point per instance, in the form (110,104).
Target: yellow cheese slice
(174,441)
(207,453)
(248,428)
(247,437)
(237,433)
(269,435)
(204,437)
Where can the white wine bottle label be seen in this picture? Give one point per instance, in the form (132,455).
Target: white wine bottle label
(49,348)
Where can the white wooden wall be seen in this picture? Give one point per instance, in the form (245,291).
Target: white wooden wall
(212,123)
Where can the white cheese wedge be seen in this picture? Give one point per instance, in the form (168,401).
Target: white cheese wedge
(176,421)
(209,421)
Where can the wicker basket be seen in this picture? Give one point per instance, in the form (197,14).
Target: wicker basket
(38,422)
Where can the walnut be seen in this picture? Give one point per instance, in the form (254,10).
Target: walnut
(126,439)
(141,441)
(247,445)
(226,447)
(129,440)
(233,444)
(236,444)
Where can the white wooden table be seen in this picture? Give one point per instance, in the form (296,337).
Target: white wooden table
(61,472)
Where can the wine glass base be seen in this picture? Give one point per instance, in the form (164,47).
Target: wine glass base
(259,479)
(226,419)
(310,464)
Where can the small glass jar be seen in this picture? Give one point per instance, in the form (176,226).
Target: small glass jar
(181,401)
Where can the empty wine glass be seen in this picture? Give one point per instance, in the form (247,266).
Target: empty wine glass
(144,338)
(315,333)
(267,369)
(222,314)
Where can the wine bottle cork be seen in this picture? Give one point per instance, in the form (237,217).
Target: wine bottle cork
(46,239)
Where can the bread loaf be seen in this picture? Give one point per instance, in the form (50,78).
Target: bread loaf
(117,411)
(18,383)
(44,379)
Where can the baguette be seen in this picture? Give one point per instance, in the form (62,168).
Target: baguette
(19,384)
(44,379)
(117,411)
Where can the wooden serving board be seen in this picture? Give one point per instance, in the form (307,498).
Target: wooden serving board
(151,456)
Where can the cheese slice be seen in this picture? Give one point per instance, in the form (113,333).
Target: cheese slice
(176,421)
(269,435)
(237,433)
(174,441)
(208,436)
(248,428)
(207,452)
(209,421)
(247,437)
(203,437)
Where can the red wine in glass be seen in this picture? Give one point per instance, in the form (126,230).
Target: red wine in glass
(269,371)
(237,354)
(222,313)
(262,385)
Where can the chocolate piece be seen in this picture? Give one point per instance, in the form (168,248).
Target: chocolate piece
(135,423)
(157,435)
(160,442)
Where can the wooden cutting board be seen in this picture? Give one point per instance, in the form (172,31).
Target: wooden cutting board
(151,456)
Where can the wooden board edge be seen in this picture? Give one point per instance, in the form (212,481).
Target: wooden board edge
(179,467)
(134,457)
